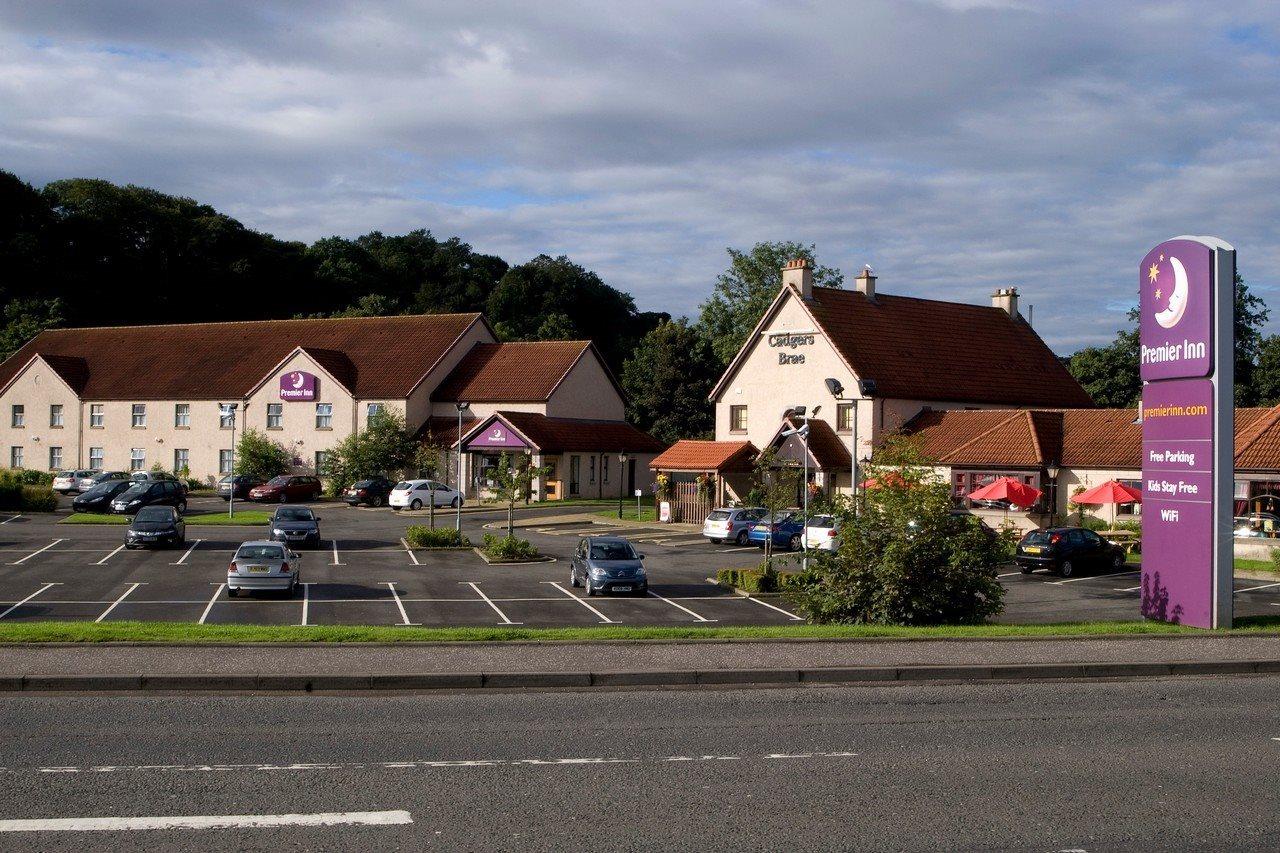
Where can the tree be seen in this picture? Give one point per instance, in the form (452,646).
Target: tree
(667,380)
(1266,376)
(512,480)
(385,447)
(26,318)
(1251,316)
(259,456)
(775,483)
(745,290)
(905,557)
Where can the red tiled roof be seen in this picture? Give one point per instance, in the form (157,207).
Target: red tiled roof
(925,349)
(443,429)
(513,372)
(557,435)
(689,455)
(1258,439)
(1101,438)
(373,356)
(826,448)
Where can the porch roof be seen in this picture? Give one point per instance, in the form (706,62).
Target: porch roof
(719,456)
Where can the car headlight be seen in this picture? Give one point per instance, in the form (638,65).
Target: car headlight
(278,532)
(598,572)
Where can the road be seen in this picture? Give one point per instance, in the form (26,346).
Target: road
(1182,764)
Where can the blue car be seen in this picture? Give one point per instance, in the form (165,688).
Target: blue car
(785,528)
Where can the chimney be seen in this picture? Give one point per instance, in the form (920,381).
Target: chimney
(799,274)
(865,283)
(1006,300)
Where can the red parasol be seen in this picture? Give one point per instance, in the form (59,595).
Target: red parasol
(1109,492)
(1007,489)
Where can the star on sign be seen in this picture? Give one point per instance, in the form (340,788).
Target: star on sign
(1153,273)
(1157,293)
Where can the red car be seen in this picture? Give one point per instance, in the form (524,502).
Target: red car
(287,489)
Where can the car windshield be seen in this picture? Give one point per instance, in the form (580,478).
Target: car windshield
(1036,537)
(260,552)
(363,484)
(293,513)
(718,515)
(153,513)
(277,481)
(100,490)
(135,491)
(403,486)
(612,551)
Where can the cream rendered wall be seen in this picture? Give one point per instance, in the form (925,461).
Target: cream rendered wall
(419,406)
(158,439)
(298,432)
(586,392)
(36,389)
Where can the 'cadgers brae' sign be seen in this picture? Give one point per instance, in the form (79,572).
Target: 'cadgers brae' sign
(1186,305)
(298,386)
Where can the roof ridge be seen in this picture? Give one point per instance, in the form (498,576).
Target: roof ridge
(983,434)
(1035,433)
(1259,429)
(472,314)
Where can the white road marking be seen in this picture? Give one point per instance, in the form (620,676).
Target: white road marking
(1127,588)
(10,518)
(183,558)
(244,821)
(122,597)
(604,619)
(682,607)
(404,617)
(306,602)
(1008,574)
(419,764)
(1094,577)
(412,556)
(489,601)
(34,553)
(1256,588)
(786,613)
(335,554)
(217,592)
(118,549)
(28,598)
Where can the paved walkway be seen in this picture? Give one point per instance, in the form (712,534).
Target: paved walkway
(615,657)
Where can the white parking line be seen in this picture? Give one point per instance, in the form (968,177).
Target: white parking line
(400,604)
(1094,577)
(10,518)
(604,619)
(34,553)
(335,554)
(118,549)
(243,821)
(1255,588)
(1127,588)
(125,595)
(786,613)
(183,558)
(682,607)
(489,601)
(306,603)
(412,556)
(217,592)
(1008,574)
(28,598)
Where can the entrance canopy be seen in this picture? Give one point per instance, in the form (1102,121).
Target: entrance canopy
(531,431)
(826,451)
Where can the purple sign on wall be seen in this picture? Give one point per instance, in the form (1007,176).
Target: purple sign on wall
(298,386)
(497,434)
(1177,501)
(1176,311)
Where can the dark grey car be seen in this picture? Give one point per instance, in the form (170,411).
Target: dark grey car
(156,525)
(608,564)
(297,525)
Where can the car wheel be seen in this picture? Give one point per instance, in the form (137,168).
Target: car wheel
(232,593)
(284,499)
(1026,570)
(1117,562)
(416,504)
(573,579)
(716,541)
(1066,569)
(794,544)
(591,590)
(376,501)
(457,502)
(182,508)
(741,538)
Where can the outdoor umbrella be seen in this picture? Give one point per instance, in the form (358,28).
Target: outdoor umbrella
(1110,492)
(893,478)
(1008,489)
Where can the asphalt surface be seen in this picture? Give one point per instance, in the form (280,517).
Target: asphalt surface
(363,576)
(1141,765)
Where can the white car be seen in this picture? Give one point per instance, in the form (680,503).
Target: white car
(71,481)
(822,534)
(415,494)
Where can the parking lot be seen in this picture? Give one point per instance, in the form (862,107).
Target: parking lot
(362,575)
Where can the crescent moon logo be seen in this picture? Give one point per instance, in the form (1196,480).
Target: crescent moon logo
(1171,316)
(297,380)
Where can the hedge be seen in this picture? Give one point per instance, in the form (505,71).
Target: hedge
(509,548)
(17,495)
(756,580)
(421,536)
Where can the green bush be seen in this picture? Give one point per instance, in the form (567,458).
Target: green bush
(19,496)
(757,580)
(421,536)
(29,476)
(509,548)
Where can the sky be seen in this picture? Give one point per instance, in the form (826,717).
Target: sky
(956,146)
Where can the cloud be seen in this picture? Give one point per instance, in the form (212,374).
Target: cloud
(956,146)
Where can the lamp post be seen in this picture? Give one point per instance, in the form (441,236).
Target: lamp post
(866,388)
(457,516)
(1053,470)
(803,431)
(622,483)
(229,409)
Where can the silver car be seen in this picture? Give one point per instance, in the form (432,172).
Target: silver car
(731,524)
(72,481)
(608,564)
(264,565)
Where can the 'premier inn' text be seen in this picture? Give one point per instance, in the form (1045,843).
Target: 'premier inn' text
(1172,352)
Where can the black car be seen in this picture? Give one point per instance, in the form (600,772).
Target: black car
(373,491)
(150,493)
(296,525)
(98,498)
(243,483)
(156,525)
(1067,550)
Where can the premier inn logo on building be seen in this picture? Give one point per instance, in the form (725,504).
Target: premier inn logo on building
(298,386)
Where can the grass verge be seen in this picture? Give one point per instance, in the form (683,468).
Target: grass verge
(647,513)
(180,632)
(248,517)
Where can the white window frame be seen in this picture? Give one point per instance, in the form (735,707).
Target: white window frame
(224,461)
(275,419)
(96,453)
(180,462)
(137,459)
(55,458)
(55,414)
(138,416)
(16,458)
(226,418)
(321,457)
(17,416)
(371,410)
(182,414)
(97,415)
(324,415)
